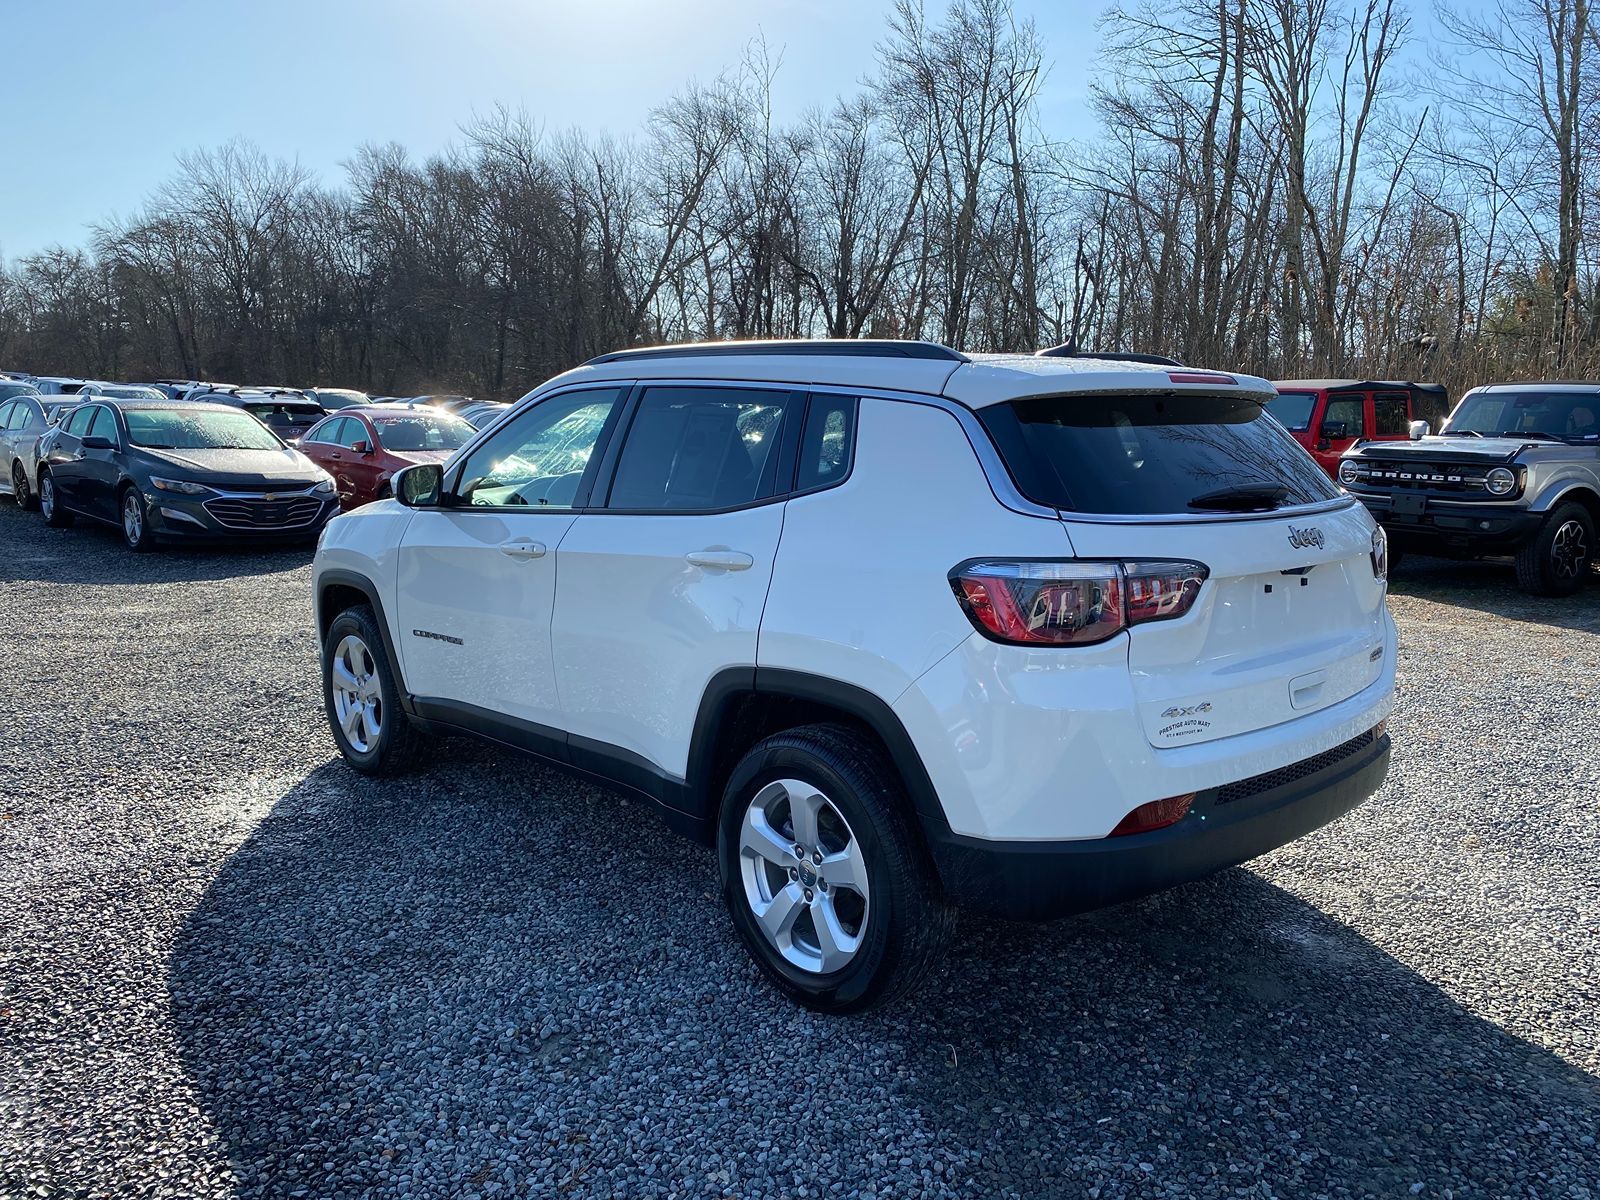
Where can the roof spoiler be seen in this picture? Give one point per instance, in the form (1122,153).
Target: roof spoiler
(1070,350)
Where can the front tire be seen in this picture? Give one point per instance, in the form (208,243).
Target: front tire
(135,521)
(362,699)
(824,874)
(20,490)
(1556,560)
(55,515)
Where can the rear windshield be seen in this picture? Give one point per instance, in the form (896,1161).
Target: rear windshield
(285,415)
(423,431)
(1139,455)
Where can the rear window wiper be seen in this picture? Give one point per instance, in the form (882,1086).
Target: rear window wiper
(1245,498)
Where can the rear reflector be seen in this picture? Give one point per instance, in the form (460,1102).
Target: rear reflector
(1209,377)
(1158,814)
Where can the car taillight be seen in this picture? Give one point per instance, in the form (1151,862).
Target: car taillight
(1072,603)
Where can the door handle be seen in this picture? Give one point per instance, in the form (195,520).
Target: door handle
(523,548)
(725,560)
(335,456)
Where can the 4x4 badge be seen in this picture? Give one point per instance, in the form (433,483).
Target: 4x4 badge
(1300,539)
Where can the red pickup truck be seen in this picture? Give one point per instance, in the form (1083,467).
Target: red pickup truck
(1328,416)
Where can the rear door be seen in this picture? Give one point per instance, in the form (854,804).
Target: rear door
(477,579)
(321,446)
(66,457)
(1290,618)
(665,586)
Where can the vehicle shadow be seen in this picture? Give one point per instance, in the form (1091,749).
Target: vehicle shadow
(1491,587)
(92,553)
(490,975)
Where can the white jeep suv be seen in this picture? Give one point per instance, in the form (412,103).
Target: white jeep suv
(896,629)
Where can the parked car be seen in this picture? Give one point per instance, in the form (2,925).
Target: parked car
(332,399)
(57,385)
(1328,416)
(1038,635)
(363,447)
(177,389)
(16,387)
(24,419)
(288,413)
(119,391)
(481,413)
(1515,472)
(172,470)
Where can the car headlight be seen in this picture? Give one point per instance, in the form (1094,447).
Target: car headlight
(182,486)
(324,486)
(1348,473)
(1501,481)
(1380,554)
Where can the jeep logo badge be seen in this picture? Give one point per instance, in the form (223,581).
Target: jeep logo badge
(1302,539)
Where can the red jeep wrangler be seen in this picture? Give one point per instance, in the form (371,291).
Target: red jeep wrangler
(1328,416)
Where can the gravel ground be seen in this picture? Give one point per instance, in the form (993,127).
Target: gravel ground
(228,966)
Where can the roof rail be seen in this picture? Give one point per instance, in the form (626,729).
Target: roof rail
(1070,350)
(841,347)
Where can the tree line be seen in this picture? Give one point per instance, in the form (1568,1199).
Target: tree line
(1291,187)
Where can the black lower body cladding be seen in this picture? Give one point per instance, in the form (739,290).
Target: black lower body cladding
(1224,826)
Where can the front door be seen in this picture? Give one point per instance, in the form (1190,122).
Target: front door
(1344,422)
(665,587)
(477,577)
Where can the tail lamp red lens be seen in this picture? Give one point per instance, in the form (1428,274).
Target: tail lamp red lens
(1072,603)
(1158,814)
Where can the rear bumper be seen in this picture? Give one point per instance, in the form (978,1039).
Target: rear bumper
(1224,826)
(1455,528)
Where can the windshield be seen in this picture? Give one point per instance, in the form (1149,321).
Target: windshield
(424,431)
(1573,416)
(1293,409)
(192,429)
(1141,455)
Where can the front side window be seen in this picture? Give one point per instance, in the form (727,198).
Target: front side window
(350,432)
(539,458)
(692,449)
(1143,455)
(104,424)
(1349,411)
(78,423)
(1391,416)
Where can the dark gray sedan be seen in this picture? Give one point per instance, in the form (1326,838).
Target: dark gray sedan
(178,470)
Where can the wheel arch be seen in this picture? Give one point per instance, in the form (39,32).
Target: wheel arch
(742,705)
(337,590)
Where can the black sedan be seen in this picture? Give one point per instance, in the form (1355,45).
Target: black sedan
(179,470)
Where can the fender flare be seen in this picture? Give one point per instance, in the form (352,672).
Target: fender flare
(342,577)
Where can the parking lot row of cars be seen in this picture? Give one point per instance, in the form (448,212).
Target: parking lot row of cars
(186,459)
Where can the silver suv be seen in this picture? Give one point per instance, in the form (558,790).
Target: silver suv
(1516,471)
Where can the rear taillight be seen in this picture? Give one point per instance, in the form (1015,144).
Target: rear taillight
(1072,603)
(1380,554)
(1158,814)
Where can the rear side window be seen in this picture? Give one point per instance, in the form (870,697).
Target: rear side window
(828,442)
(1390,416)
(1142,455)
(700,449)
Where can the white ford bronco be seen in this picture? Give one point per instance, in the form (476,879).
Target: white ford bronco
(898,630)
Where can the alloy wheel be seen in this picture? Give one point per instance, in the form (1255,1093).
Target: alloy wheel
(132,518)
(19,485)
(1569,551)
(47,497)
(804,875)
(357,696)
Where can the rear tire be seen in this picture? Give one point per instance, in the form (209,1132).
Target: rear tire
(50,504)
(362,698)
(20,490)
(825,875)
(1556,560)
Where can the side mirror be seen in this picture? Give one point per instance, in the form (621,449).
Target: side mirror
(419,486)
(1419,430)
(98,443)
(1334,429)
(362,447)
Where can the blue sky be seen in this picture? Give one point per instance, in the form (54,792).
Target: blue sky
(135,84)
